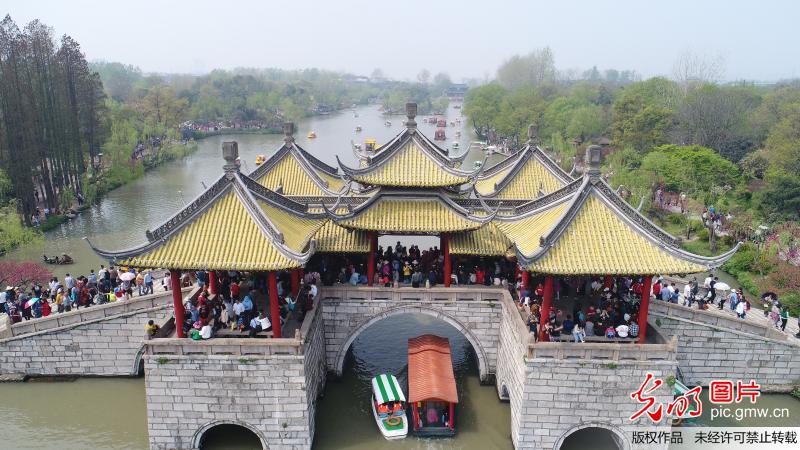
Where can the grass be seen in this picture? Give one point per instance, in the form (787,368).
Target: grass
(12,232)
(701,247)
(52,222)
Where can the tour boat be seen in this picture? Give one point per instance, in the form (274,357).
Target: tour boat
(260,159)
(358,129)
(432,389)
(389,406)
(388,123)
(439,135)
(312,135)
(454,145)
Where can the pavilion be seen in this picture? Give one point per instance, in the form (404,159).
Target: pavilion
(524,207)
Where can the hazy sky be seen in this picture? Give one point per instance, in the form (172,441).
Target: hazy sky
(757,39)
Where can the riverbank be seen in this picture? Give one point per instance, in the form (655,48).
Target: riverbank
(14,234)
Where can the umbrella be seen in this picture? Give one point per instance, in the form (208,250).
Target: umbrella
(31,302)
(769,294)
(720,286)
(127,276)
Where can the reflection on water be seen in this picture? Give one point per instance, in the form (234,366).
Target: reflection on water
(120,219)
(344,418)
(88,413)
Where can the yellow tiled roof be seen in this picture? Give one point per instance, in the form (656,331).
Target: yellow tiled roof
(485,186)
(525,233)
(485,241)
(597,241)
(296,230)
(332,238)
(528,181)
(410,167)
(295,181)
(409,216)
(225,237)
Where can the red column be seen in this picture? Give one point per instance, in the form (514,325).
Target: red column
(295,275)
(452,416)
(643,306)
(177,301)
(608,281)
(448,265)
(373,247)
(415,415)
(212,282)
(546,302)
(525,281)
(274,308)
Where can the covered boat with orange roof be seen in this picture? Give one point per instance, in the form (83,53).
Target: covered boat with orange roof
(432,389)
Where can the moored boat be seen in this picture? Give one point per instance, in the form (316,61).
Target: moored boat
(388,123)
(260,159)
(358,129)
(432,391)
(388,406)
(312,135)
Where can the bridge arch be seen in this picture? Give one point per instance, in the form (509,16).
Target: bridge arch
(483,363)
(199,435)
(613,432)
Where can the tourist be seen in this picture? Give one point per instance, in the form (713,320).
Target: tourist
(259,324)
(148,282)
(610,332)
(784,318)
(238,314)
(151,329)
(740,309)
(633,327)
(734,299)
(578,333)
(622,330)
(674,294)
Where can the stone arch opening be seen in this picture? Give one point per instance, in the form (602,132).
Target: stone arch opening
(503,393)
(221,434)
(595,435)
(138,363)
(483,364)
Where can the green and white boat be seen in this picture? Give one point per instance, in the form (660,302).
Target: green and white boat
(389,406)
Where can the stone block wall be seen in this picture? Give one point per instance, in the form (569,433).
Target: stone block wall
(314,368)
(188,394)
(511,366)
(723,350)
(562,396)
(105,345)
(347,312)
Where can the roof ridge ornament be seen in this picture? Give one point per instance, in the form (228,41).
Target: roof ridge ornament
(411,113)
(230,152)
(533,134)
(288,133)
(594,158)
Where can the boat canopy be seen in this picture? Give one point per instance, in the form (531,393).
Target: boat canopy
(430,370)
(387,389)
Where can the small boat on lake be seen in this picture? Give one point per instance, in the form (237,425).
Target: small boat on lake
(454,145)
(432,389)
(388,123)
(358,129)
(312,135)
(260,159)
(440,135)
(389,406)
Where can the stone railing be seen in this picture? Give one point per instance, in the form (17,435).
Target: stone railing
(604,351)
(405,294)
(660,308)
(235,346)
(225,346)
(96,312)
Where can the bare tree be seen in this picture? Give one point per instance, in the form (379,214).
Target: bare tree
(692,69)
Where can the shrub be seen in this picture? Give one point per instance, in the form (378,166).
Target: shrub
(703,235)
(745,279)
(676,219)
(51,222)
(743,261)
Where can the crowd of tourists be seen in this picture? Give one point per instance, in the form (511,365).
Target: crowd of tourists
(234,306)
(398,265)
(107,285)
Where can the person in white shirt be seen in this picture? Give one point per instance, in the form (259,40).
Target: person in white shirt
(259,324)
(238,310)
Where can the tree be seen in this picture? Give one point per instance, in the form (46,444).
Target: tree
(717,117)
(533,69)
(23,274)
(643,113)
(377,75)
(424,76)
(691,169)
(693,69)
(782,147)
(780,198)
(482,105)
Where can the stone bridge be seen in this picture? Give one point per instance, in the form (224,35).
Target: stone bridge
(104,340)
(348,310)
(714,345)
